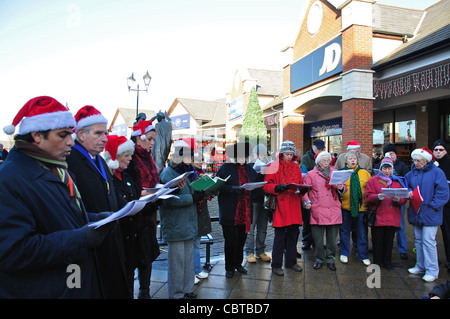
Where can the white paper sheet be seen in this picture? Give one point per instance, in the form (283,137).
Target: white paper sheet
(399,192)
(340,177)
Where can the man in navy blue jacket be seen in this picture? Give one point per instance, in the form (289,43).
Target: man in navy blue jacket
(46,248)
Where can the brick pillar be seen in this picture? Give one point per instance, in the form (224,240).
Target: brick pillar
(293,130)
(357,124)
(357,77)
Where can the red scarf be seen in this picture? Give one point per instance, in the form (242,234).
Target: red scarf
(331,187)
(243,207)
(147,172)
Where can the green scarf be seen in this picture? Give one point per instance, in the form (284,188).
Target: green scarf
(355,192)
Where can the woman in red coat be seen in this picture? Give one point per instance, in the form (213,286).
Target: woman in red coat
(287,217)
(388,211)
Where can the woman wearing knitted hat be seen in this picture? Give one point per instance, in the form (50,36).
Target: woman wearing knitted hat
(389,211)
(287,216)
(326,215)
(433,187)
(353,208)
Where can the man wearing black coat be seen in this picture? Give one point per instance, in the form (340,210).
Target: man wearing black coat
(95,184)
(46,248)
(442,158)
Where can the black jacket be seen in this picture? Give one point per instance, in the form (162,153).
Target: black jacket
(227,198)
(99,196)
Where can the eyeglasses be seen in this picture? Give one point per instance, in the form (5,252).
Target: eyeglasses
(439,149)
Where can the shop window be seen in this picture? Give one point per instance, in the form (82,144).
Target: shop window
(382,134)
(405,131)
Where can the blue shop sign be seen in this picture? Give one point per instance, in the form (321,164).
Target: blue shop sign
(324,62)
(326,128)
(181,121)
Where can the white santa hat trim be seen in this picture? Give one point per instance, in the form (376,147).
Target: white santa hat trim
(124,147)
(41,114)
(427,156)
(353,145)
(91,120)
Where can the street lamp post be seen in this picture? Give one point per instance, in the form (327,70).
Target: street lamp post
(131,81)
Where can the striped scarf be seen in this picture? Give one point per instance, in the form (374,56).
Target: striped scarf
(58,168)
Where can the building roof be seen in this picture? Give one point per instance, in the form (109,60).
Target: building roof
(129,115)
(269,82)
(433,33)
(198,109)
(395,20)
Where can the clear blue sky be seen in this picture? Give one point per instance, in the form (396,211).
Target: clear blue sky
(81,52)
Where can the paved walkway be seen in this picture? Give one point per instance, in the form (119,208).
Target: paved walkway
(349,281)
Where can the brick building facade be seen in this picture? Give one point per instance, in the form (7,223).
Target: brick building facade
(370,72)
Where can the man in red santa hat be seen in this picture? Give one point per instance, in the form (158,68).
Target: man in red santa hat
(364,161)
(43,223)
(94,180)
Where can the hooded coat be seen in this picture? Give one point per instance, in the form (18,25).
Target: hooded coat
(434,190)
(289,203)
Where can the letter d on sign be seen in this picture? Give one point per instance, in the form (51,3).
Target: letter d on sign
(374,280)
(74,279)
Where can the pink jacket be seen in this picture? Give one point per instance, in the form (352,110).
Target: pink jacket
(325,210)
(388,211)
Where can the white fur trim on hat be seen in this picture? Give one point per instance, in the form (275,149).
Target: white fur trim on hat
(124,147)
(422,153)
(91,120)
(322,154)
(46,121)
(180,143)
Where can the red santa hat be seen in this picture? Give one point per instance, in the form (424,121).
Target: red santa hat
(425,153)
(39,114)
(141,128)
(116,146)
(186,143)
(353,145)
(89,115)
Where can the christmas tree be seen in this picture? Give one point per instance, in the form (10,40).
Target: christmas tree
(253,128)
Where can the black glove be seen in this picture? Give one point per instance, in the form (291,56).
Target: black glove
(281,188)
(95,237)
(198,196)
(237,189)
